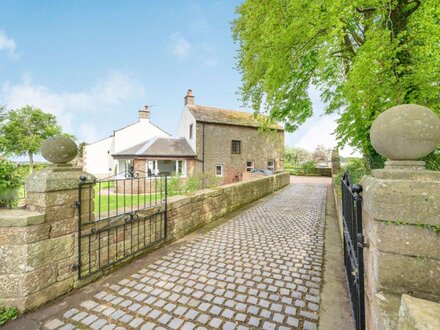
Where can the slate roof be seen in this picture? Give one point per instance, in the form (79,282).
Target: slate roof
(159,147)
(224,116)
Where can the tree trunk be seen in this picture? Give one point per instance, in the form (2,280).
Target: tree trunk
(31,162)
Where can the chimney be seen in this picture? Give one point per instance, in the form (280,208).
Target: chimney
(144,114)
(189,98)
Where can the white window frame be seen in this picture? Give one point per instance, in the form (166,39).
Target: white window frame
(183,174)
(250,168)
(271,167)
(221,170)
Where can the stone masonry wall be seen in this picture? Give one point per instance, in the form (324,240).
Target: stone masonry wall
(254,144)
(403,255)
(39,245)
(187,213)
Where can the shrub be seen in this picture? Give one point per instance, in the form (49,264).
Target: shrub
(10,183)
(177,186)
(433,160)
(308,167)
(357,169)
(7,313)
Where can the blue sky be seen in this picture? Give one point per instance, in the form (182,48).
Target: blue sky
(95,63)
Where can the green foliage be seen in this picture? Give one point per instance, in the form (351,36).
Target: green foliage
(7,313)
(296,156)
(364,56)
(308,167)
(22,131)
(357,169)
(10,182)
(433,160)
(178,186)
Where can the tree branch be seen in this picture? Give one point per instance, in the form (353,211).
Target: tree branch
(365,10)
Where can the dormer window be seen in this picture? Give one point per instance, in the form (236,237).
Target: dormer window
(191,131)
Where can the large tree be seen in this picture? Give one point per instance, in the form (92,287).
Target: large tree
(364,55)
(22,131)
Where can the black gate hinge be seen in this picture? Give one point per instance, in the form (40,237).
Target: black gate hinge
(76,204)
(75,267)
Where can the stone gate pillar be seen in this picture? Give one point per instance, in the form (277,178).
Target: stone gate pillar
(336,162)
(401,213)
(38,245)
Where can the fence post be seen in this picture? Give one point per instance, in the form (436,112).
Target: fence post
(401,204)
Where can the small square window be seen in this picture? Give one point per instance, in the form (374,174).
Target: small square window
(218,170)
(249,166)
(271,165)
(236,147)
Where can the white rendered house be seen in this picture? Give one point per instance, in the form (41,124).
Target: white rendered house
(97,156)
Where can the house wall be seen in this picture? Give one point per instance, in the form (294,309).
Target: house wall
(186,120)
(137,133)
(255,146)
(97,158)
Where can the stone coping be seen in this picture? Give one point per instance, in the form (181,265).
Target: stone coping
(406,174)
(20,218)
(418,313)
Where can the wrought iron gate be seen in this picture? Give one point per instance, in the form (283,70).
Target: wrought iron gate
(118,218)
(353,246)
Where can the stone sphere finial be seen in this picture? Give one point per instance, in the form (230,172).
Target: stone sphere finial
(405,132)
(59,149)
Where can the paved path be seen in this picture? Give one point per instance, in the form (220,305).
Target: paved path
(262,269)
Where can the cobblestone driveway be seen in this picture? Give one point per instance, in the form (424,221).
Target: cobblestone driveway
(262,269)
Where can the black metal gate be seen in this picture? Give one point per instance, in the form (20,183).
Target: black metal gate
(353,246)
(118,218)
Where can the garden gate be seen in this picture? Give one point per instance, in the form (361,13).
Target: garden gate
(353,246)
(118,218)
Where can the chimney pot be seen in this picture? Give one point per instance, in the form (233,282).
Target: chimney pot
(145,113)
(189,98)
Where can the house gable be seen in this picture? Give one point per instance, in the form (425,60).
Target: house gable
(185,129)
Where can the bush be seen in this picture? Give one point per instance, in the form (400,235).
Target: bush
(177,186)
(433,160)
(308,167)
(356,168)
(7,313)
(10,183)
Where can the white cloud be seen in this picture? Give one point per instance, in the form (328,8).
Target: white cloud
(211,63)
(8,45)
(88,132)
(180,46)
(105,96)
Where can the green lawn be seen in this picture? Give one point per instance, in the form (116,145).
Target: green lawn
(112,202)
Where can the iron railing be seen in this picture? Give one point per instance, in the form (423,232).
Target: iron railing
(119,217)
(353,246)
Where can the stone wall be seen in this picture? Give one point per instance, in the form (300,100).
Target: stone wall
(215,149)
(401,215)
(187,213)
(39,245)
(402,255)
